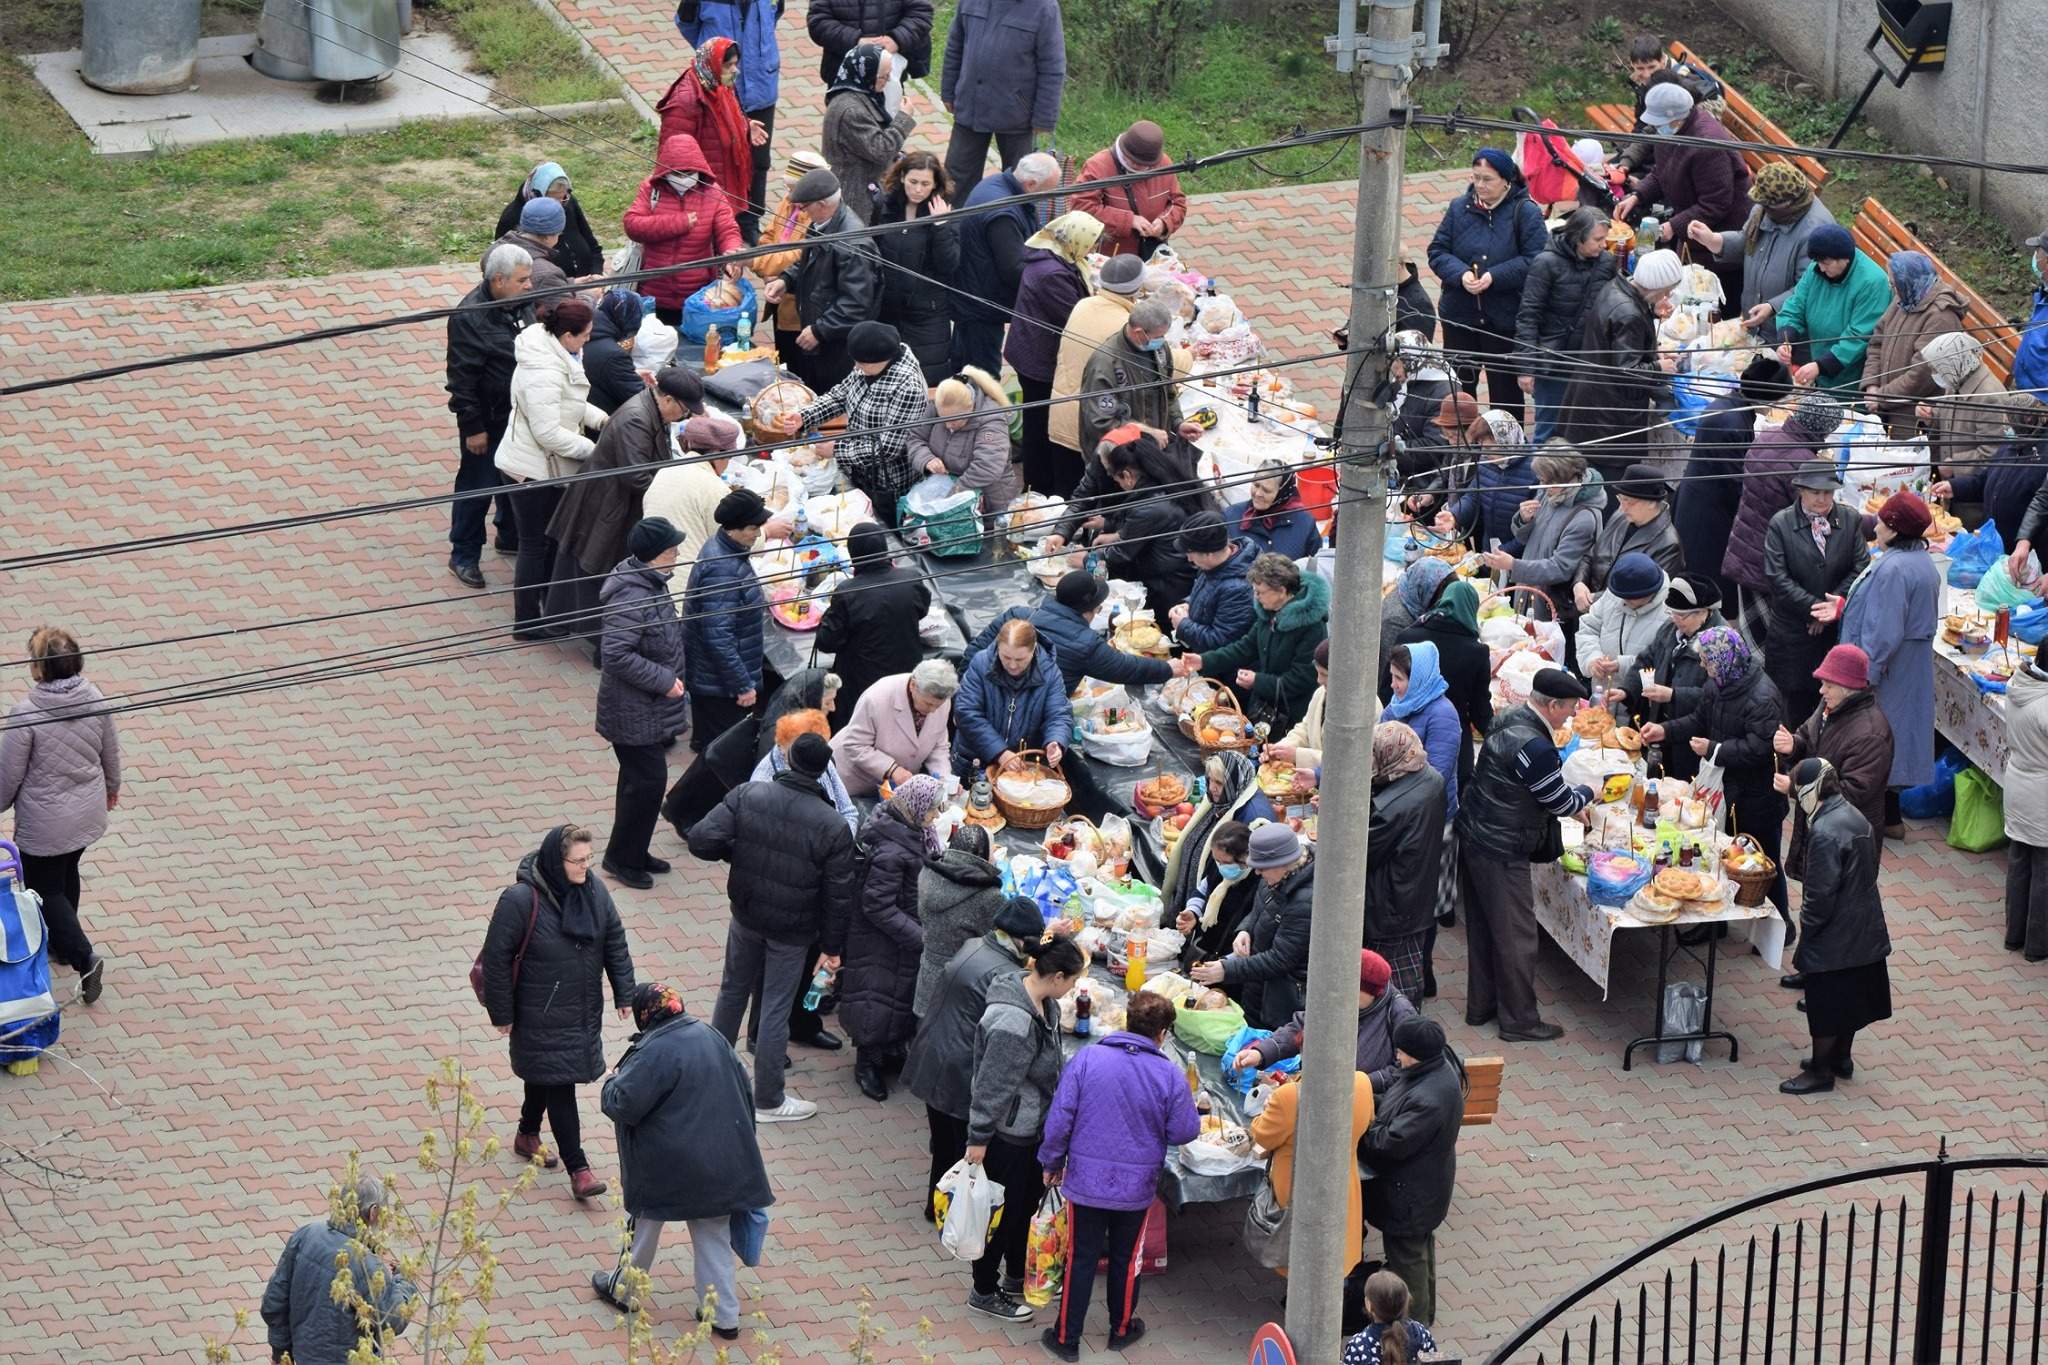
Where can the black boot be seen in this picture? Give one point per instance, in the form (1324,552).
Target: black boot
(867,1074)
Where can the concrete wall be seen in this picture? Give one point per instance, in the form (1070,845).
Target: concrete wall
(1989,102)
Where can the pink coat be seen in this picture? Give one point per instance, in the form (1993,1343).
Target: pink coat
(884,732)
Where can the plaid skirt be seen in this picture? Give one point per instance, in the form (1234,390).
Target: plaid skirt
(1406,955)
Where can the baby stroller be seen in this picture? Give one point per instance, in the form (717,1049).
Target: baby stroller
(28,1014)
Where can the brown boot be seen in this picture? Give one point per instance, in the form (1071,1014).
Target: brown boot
(526,1146)
(586,1184)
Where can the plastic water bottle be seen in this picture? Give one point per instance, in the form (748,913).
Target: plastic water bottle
(1646,236)
(743,336)
(820,980)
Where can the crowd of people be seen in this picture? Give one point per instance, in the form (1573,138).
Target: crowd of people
(1719,592)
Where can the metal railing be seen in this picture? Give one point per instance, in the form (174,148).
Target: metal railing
(1832,1288)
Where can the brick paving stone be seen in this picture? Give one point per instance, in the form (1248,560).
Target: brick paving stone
(296,881)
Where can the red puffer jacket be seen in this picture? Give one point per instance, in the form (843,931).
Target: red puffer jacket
(673,227)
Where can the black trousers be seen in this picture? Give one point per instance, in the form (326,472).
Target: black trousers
(1762,818)
(948,1145)
(466,518)
(711,717)
(1014,1166)
(54,877)
(532,508)
(1048,468)
(558,1102)
(693,795)
(636,804)
(2026,900)
(757,188)
(967,157)
(1495,354)
(1118,1230)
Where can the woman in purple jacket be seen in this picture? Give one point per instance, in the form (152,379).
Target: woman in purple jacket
(1119,1106)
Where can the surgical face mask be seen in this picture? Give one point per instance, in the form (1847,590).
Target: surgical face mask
(1155,344)
(1941,382)
(1665,129)
(682,182)
(1230,872)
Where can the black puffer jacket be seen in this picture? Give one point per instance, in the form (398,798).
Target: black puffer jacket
(914,256)
(613,380)
(1841,913)
(884,941)
(556,1007)
(940,1070)
(1412,1149)
(480,361)
(792,859)
(1677,665)
(958,895)
(1608,405)
(1404,855)
(1273,982)
(838,25)
(1554,296)
(641,653)
(684,1109)
(1738,721)
(870,630)
(578,252)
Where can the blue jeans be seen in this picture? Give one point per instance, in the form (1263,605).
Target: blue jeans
(466,517)
(1549,396)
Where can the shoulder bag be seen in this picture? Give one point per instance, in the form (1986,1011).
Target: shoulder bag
(476,966)
(1266,1225)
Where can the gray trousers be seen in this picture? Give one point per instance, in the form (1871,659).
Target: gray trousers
(967,155)
(1414,1260)
(717,1270)
(753,962)
(1500,940)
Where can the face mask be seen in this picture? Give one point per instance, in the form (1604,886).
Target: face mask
(1155,344)
(1230,872)
(682,182)
(1666,129)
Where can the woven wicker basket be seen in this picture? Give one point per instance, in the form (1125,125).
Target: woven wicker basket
(1029,817)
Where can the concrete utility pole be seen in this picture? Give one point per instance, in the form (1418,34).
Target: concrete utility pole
(1326,1163)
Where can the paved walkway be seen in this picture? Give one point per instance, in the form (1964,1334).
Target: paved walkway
(296,882)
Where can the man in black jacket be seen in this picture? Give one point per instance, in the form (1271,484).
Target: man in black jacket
(836,283)
(1507,819)
(1677,679)
(480,366)
(1412,1148)
(792,885)
(687,1151)
(900,26)
(870,630)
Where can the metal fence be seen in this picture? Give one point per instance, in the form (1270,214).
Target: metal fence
(1921,1262)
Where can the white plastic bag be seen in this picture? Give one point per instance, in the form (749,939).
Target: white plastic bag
(1118,748)
(1255,1099)
(654,345)
(969,1205)
(935,494)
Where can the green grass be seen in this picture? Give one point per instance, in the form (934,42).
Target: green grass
(306,205)
(1211,107)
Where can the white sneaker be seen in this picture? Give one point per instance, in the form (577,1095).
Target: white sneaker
(791,1110)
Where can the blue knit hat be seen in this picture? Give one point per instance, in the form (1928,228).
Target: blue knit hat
(1634,575)
(542,216)
(1503,165)
(1830,243)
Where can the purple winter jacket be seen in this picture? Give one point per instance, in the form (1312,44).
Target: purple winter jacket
(1120,1104)
(58,775)
(1774,457)
(1046,294)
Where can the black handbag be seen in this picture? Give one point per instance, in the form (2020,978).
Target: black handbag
(1146,245)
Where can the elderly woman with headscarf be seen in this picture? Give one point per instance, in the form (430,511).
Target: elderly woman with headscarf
(1481,252)
(608,356)
(1966,422)
(861,139)
(1841,954)
(1404,855)
(1768,471)
(1893,611)
(1052,282)
(1452,625)
(578,252)
(1737,717)
(884,939)
(1771,247)
(1272,517)
(555,937)
(1483,515)
(1923,307)
(701,103)
(1415,592)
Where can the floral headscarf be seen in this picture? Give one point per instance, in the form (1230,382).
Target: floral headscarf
(654,1002)
(1071,236)
(1725,655)
(1419,582)
(734,134)
(1912,276)
(1954,357)
(915,801)
(1506,430)
(1396,752)
(857,72)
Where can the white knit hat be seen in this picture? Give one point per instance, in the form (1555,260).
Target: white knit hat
(1590,153)
(1658,270)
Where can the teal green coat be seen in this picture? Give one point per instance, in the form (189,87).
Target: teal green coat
(1281,649)
(1830,322)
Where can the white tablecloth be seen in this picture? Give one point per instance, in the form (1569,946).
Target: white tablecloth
(1973,720)
(1586,931)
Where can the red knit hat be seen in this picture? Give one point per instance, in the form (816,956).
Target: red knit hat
(1373,972)
(1906,514)
(1845,666)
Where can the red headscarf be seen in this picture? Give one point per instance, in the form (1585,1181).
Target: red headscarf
(733,157)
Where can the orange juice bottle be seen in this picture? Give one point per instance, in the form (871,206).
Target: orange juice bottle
(1134,970)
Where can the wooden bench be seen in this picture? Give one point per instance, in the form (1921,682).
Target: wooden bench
(1482,1093)
(1878,234)
(1742,119)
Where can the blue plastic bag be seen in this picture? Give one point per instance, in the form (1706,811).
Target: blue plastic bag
(1937,799)
(749,1235)
(699,317)
(2030,625)
(1052,886)
(1972,553)
(1242,1081)
(1690,396)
